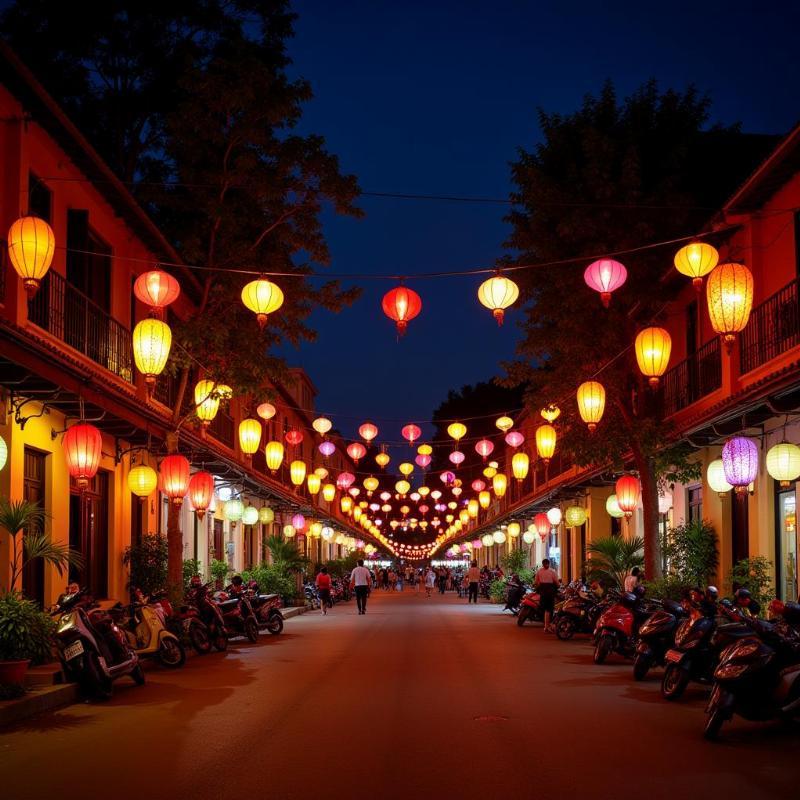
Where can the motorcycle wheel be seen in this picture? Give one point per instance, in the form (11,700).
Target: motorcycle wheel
(714,722)
(675,681)
(641,666)
(565,628)
(171,653)
(138,675)
(93,683)
(275,624)
(251,629)
(602,649)
(523,615)
(198,636)
(221,642)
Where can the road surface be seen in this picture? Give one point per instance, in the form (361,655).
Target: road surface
(419,698)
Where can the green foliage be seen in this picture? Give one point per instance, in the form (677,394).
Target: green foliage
(514,561)
(271,579)
(497,591)
(147,563)
(754,574)
(219,569)
(670,587)
(341,567)
(191,567)
(286,555)
(612,560)
(527,575)
(25,631)
(692,554)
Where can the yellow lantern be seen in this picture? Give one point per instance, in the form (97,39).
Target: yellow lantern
(346,504)
(406,468)
(575,516)
(289,531)
(314,483)
(489,472)
(472,508)
(266,515)
(504,423)
(500,483)
(653,347)
(262,297)
(546,442)
(31,244)
(424,450)
(206,400)
(328,492)
(551,413)
(497,294)
(520,464)
(404,510)
(424,491)
(487,540)
(249,436)
(783,463)
(729,292)
(696,260)
(321,425)
(463,516)
(357,512)
(316,529)
(513,529)
(152,340)
(321,473)
(591,403)
(142,480)
(297,472)
(371,484)
(224,391)
(382,459)
(456,430)
(274,454)
(402,487)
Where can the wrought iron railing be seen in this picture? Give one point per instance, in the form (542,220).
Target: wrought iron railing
(773,328)
(222,429)
(695,377)
(62,310)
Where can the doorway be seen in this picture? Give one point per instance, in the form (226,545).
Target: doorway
(33,492)
(740,529)
(88,534)
(786,542)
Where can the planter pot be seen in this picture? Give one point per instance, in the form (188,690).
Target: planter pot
(13,672)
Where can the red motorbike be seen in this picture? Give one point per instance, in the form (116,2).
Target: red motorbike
(617,627)
(530,609)
(238,615)
(186,624)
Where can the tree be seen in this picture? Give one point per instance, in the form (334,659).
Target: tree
(612,176)
(612,559)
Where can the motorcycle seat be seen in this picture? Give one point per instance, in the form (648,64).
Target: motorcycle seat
(226,606)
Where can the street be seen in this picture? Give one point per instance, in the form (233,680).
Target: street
(420,697)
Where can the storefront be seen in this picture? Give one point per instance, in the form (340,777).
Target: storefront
(786,541)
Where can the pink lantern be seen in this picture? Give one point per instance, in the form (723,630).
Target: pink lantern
(266,411)
(423,509)
(477,544)
(447,477)
(354,491)
(514,439)
(298,522)
(457,457)
(423,461)
(411,433)
(484,448)
(605,276)
(478,485)
(368,431)
(356,450)
(345,480)
(327,448)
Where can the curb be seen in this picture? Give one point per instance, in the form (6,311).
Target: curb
(293,611)
(36,701)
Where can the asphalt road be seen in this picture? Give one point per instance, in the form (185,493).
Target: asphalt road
(418,698)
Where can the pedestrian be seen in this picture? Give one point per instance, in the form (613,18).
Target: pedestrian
(323,583)
(430,581)
(632,580)
(417,580)
(359,581)
(473,579)
(547,585)
(385,578)
(442,579)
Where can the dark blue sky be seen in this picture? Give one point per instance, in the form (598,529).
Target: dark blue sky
(434,98)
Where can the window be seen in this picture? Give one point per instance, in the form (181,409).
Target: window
(694,503)
(786,543)
(40,198)
(88,260)
(33,486)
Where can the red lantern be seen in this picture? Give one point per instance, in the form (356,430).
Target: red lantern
(484,448)
(345,480)
(423,460)
(368,431)
(401,305)
(478,485)
(82,448)
(156,289)
(542,525)
(411,432)
(356,450)
(628,490)
(174,477)
(294,437)
(201,490)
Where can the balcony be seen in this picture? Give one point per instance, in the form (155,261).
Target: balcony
(773,328)
(69,315)
(693,378)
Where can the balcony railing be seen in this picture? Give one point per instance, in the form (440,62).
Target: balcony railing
(693,378)
(60,309)
(774,328)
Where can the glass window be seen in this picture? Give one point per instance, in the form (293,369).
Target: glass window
(39,198)
(786,532)
(694,503)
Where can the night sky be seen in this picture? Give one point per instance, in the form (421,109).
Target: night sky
(434,98)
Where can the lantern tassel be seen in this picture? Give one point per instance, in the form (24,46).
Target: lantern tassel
(499,314)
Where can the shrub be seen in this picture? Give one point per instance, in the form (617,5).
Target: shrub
(515,561)
(191,567)
(25,631)
(497,591)
(219,569)
(754,574)
(691,552)
(271,579)
(147,563)
(670,587)
(612,559)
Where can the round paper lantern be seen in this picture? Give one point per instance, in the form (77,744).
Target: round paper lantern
(740,461)
(368,431)
(289,531)
(715,476)
(274,454)
(499,537)
(31,245)
(504,423)
(591,403)
(249,436)
(382,459)
(612,507)
(478,485)
(152,340)
(402,488)
(529,537)
(627,490)
(546,442)
(141,478)
(490,471)
(487,540)
(484,448)
(401,305)
(405,468)
(297,472)
(356,451)
(520,463)
(514,439)
(499,484)
(345,480)
(327,533)
(82,447)
(224,391)
(321,425)
(554,516)
(542,525)
(174,477)
(653,347)
(423,461)
(371,484)
(4,452)
(456,457)
(327,448)
(201,492)
(266,411)
(513,529)
(604,276)
(156,289)
(206,401)
(551,413)
(447,477)
(456,430)
(328,492)
(575,516)
(263,298)
(783,463)
(485,500)
(696,260)
(266,515)
(234,509)
(729,292)
(411,433)
(497,294)
(293,437)
(250,515)
(298,522)
(313,483)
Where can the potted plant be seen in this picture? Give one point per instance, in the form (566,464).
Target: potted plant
(25,636)
(219,571)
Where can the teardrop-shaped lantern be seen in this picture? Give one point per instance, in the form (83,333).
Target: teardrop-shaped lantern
(696,260)
(266,411)
(321,425)
(504,423)
(456,430)
(411,432)
(293,437)
(82,447)
(356,451)
(156,289)
(31,245)
(484,448)
(368,431)
(201,492)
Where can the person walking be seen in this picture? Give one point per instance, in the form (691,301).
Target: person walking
(473,579)
(360,581)
(546,583)
(430,581)
(323,583)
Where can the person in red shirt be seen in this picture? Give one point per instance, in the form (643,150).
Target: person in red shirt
(323,584)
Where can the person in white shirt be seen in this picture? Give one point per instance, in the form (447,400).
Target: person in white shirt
(632,581)
(474,579)
(430,581)
(546,583)
(360,580)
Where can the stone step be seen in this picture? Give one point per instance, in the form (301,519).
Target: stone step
(37,700)
(44,675)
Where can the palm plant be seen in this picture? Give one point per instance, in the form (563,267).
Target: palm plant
(24,521)
(613,558)
(286,554)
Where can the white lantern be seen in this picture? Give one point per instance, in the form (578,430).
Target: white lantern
(499,537)
(554,515)
(529,537)
(715,476)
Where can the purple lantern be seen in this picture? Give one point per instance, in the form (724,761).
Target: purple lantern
(740,462)
(298,522)
(327,448)
(447,477)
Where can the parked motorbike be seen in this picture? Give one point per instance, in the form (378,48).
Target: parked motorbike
(312,596)
(209,611)
(515,591)
(530,609)
(238,615)
(267,608)
(618,625)
(578,613)
(758,677)
(92,649)
(656,637)
(144,623)
(186,625)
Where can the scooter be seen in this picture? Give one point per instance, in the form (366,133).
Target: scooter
(656,637)
(577,614)
(187,625)
(514,594)
(144,624)
(267,608)
(210,613)
(617,626)
(92,649)
(238,615)
(758,677)
(530,609)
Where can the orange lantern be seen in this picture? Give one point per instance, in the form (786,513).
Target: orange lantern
(321,425)
(401,305)
(356,451)
(274,455)
(82,446)
(371,484)
(546,442)
(368,431)
(520,464)
(504,423)
(249,436)
(266,411)
(174,477)
(262,297)
(201,491)
(729,292)
(31,245)
(497,294)
(156,289)
(696,260)
(411,432)
(551,412)
(591,403)
(297,472)
(500,483)
(627,491)
(382,459)
(653,346)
